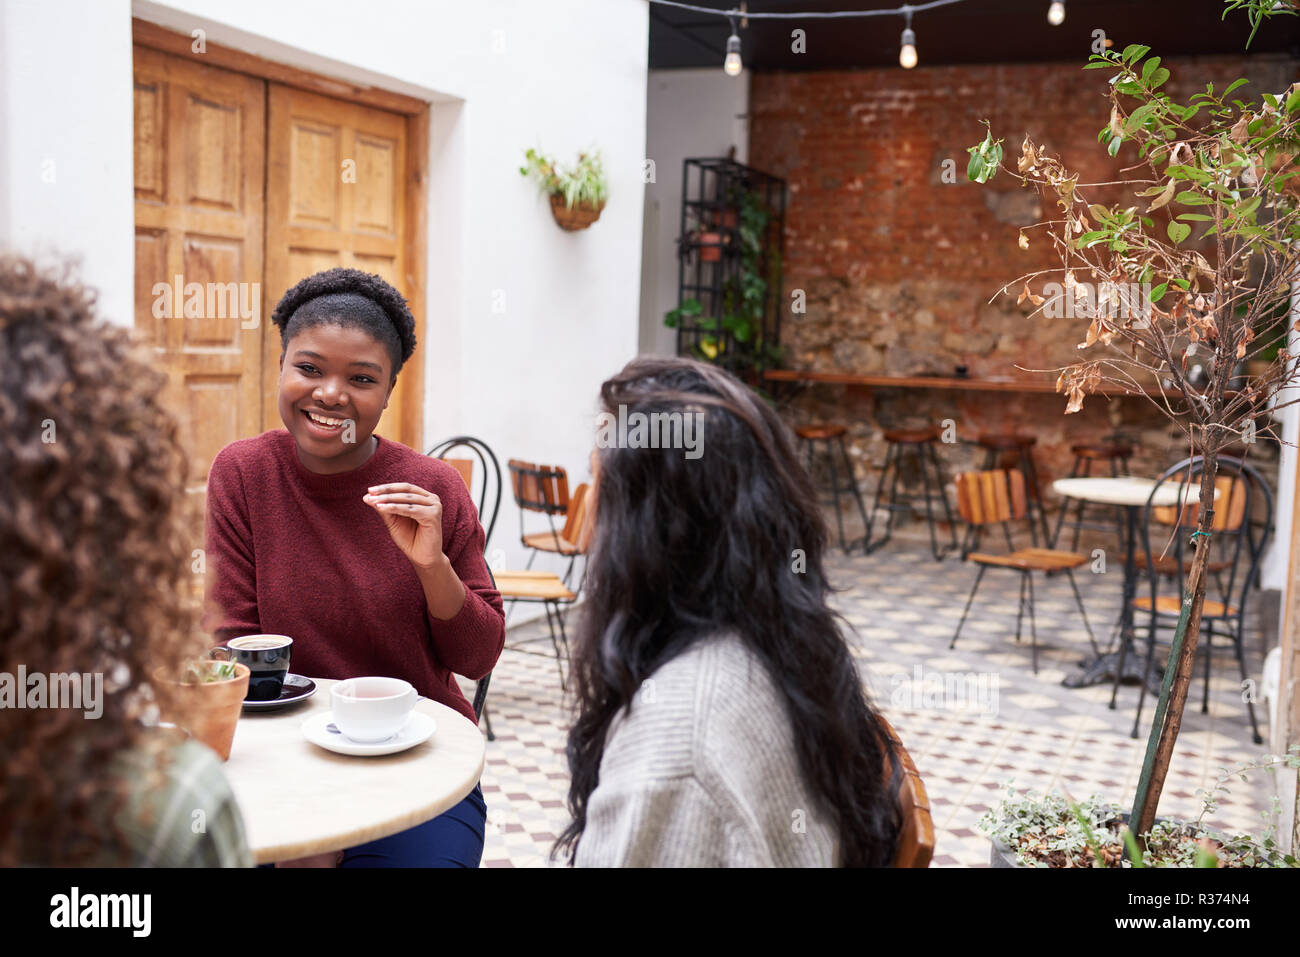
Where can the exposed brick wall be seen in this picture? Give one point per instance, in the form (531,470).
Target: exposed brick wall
(899,266)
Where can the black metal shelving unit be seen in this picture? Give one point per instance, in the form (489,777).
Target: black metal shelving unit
(715,195)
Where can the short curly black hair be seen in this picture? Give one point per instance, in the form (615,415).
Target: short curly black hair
(349,297)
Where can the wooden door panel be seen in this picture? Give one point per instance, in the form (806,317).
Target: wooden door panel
(335,183)
(199,213)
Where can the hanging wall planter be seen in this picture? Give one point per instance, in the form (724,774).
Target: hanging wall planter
(577,196)
(578,216)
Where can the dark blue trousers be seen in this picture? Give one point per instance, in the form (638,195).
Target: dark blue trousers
(452,839)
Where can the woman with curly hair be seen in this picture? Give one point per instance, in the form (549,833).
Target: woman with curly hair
(366,553)
(721,720)
(93,577)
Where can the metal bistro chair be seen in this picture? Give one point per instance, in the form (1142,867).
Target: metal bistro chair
(547,588)
(998,497)
(832,434)
(1239,531)
(488,504)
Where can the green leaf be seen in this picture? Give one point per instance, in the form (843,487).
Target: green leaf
(1113,146)
(1134,52)
(1158,292)
(1149,67)
(1087,239)
(1159,77)
(1183,284)
(1189,197)
(1195,217)
(1179,231)
(1234,84)
(1293,102)
(1129,87)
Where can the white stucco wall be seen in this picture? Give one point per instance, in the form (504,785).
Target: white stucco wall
(504,75)
(689,113)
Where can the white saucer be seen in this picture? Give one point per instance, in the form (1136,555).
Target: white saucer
(419,728)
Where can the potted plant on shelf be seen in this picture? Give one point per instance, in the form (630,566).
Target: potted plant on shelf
(578,195)
(1030,830)
(206,700)
(1216,173)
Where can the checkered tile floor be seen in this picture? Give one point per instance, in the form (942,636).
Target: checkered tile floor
(996,724)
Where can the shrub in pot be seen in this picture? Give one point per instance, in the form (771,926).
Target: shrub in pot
(206,700)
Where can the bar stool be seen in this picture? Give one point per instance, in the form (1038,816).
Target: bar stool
(995,445)
(920,443)
(809,436)
(1116,454)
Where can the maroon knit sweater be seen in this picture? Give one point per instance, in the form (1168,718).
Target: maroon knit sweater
(291,552)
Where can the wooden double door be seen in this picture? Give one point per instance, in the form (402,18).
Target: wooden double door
(244,186)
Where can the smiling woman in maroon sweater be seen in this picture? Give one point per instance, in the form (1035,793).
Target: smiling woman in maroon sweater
(367,554)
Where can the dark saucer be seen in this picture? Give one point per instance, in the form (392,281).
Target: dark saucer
(296,688)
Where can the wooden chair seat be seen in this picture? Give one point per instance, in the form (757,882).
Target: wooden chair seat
(1006,442)
(823,431)
(545,542)
(1168,565)
(1172,605)
(929,434)
(1032,559)
(539,586)
(1102,450)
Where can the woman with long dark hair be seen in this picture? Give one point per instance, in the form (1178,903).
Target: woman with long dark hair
(721,719)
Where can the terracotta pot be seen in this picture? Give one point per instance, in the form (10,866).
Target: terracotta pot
(580,216)
(710,247)
(209,711)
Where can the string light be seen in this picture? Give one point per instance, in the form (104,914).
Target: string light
(1056,13)
(907,49)
(732,65)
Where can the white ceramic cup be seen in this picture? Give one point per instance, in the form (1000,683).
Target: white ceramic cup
(372,709)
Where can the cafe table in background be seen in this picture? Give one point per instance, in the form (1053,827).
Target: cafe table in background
(298,799)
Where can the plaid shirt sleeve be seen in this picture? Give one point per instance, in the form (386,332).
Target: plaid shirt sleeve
(193,820)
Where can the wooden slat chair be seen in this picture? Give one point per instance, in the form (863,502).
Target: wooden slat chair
(1239,530)
(998,497)
(547,588)
(916,840)
(543,489)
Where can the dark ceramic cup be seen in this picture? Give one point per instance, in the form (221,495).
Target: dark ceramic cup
(267,660)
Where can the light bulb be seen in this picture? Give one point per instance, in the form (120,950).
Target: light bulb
(732,65)
(1056,13)
(907,55)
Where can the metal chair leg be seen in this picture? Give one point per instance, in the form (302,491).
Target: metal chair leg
(835,493)
(966,610)
(1020,607)
(1092,639)
(1033,627)
(1209,646)
(943,497)
(853,485)
(1146,674)
(867,546)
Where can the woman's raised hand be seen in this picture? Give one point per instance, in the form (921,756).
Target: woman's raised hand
(414,519)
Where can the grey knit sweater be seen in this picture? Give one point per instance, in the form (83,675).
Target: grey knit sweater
(701,771)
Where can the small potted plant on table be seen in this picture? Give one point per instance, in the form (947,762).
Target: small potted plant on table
(578,195)
(206,701)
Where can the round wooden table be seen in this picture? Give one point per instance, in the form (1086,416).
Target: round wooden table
(1132,494)
(298,799)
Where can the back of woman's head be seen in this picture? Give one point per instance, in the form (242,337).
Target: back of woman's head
(704,523)
(91,499)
